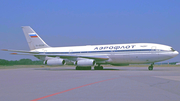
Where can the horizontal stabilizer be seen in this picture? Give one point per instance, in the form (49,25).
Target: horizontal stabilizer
(20,54)
(21,51)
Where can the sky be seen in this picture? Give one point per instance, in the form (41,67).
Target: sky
(89,22)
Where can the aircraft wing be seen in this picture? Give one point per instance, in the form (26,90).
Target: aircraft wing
(64,56)
(70,56)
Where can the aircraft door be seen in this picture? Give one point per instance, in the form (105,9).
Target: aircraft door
(44,51)
(70,51)
(153,50)
(154,53)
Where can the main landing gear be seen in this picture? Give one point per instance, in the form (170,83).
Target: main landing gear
(83,68)
(151,67)
(99,67)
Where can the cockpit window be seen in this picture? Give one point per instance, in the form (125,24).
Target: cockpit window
(172,49)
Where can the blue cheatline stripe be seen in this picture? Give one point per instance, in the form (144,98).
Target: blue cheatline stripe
(137,50)
(32,35)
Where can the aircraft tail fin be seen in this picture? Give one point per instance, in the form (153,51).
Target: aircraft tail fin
(33,39)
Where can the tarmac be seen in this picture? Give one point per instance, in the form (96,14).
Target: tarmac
(110,84)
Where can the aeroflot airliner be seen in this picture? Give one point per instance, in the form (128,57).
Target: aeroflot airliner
(84,57)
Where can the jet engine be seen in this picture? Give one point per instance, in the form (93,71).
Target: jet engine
(85,62)
(54,62)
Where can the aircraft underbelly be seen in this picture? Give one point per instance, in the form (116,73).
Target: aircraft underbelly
(131,58)
(137,58)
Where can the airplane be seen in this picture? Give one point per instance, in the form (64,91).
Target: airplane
(84,57)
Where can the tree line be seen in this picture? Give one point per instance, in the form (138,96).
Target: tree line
(20,62)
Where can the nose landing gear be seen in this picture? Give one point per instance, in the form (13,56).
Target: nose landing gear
(151,67)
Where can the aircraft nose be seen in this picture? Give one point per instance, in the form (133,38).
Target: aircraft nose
(175,53)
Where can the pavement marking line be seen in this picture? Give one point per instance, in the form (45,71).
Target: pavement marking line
(71,89)
(175,78)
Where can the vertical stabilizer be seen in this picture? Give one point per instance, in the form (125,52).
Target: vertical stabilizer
(33,39)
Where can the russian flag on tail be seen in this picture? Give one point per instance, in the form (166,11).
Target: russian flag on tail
(33,35)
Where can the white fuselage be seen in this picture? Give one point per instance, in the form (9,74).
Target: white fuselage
(134,53)
(94,55)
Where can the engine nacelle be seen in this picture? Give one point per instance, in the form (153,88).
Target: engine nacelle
(85,62)
(54,62)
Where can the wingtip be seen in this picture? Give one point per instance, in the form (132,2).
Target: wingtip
(13,53)
(4,49)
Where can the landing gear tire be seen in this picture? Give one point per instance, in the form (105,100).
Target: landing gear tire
(83,68)
(150,68)
(98,67)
